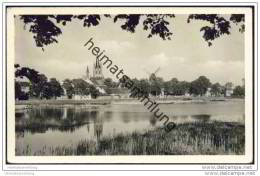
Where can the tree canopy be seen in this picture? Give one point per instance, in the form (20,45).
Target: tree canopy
(46,30)
(239,91)
(29,73)
(200,85)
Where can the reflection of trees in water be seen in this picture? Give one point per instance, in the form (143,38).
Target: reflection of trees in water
(153,120)
(126,117)
(19,134)
(62,119)
(98,125)
(108,116)
(46,113)
(19,114)
(88,127)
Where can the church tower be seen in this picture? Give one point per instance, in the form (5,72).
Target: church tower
(97,70)
(87,73)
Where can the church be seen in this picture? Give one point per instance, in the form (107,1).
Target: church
(97,78)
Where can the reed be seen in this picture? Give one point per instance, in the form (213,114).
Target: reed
(197,138)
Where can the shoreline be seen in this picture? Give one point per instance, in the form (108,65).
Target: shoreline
(24,104)
(28,104)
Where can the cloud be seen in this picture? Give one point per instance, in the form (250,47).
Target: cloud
(116,46)
(155,61)
(162,60)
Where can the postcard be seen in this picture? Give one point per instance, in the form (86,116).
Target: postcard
(129,85)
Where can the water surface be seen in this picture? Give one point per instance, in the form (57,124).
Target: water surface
(57,126)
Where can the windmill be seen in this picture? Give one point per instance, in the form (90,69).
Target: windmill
(154,81)
(152,76)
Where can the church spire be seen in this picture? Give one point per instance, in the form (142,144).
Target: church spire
(87,73)
(97,70)
(97,63)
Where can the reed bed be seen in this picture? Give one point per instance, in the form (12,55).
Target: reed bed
(196,138)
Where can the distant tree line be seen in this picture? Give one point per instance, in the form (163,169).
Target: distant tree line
(42,88)
(199,87)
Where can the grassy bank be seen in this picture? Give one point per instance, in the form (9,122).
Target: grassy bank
(27,103)
(186,139)
(63,102)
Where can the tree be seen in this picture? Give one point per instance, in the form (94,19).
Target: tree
(29,73)
(18,90)
(239,91)
(93,91)
(173,86)
(183,87)
(81,87)
(19,93)
(219,25)
(68,86)
(109,83)
(46,91)
(222,90)
(167,87)
(216,89)
(40,88)
(45,29)
(145,87)
(200,86)
(55,88)
(136,84)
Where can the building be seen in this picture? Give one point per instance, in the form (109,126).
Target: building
(87,74)
(208,92)
(98,77)
(120,92)
(229,89)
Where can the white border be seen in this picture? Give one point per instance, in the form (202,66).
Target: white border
(189,159)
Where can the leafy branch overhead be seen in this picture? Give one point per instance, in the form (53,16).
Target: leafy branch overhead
(47,28)
(155,24)
(46,32)
(218,25)
(30,74)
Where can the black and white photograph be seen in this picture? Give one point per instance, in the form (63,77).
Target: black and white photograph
(130,82)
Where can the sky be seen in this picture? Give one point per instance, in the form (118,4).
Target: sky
(185,57)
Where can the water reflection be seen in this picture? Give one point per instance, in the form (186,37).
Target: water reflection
(98,125)
(126,117)
(53,126)
(153,120)
(64,119)
(69,119)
